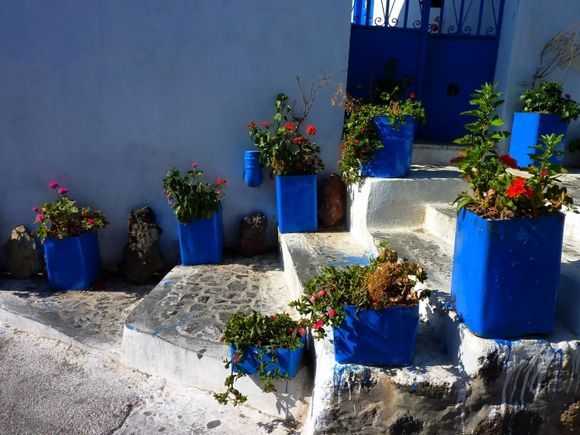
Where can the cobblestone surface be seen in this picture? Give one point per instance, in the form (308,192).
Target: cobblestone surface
(93,318)
(196,301)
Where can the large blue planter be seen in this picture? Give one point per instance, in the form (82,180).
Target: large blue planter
(72,263)
(296,200)
(377,337)
(288,361)
(394,159)
(526,132)
(506,274)
(201,241)
(252,168)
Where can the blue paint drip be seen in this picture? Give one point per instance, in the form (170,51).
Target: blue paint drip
(173,325)
(338,371)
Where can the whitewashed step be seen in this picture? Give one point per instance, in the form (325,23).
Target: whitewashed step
(380,203)
(174,331)
(441,219)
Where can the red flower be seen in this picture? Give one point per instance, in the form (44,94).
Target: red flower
(321,293)
(289,126)
(265,124)
(91,221)
(35,209)
(39,217)
(311,130)
(302,331)
(62,191)
(221,181)
(236,358)
(319,324)
(331,312)
(313,299)
(53,184)
(544,173)
(412,95)
(508,161)
(252,125)
(299,140)
(194,165)
(518,188)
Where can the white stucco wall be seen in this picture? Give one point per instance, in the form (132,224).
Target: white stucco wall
(104,96)
(528,25)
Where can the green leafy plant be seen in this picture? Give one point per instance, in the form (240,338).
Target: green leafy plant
(266,334)
(386,282)
(63,218)
(282,144)
(192,199)
(360,140)
(495,192)
(547,98)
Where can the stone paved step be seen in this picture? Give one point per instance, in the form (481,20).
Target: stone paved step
(399,202)
(174,332)
(91,320)
(440,220)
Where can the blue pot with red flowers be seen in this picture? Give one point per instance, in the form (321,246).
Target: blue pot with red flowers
(383,337)
(197,206)
(70,242)
(393,160)
(506,274)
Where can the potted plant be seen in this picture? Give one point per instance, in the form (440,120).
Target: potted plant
(69,236)
(373,309)
(269,347)
(508,242)
(293,158)
(378,138)
(197,206)
(545,111)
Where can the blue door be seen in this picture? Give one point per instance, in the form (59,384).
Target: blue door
(440,49)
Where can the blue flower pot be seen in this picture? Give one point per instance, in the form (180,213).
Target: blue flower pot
(288,361)
(72,263)
(296,200)
(252,168)
(383,337)
(526,132)
(394,159)
(506,274)
(201,241)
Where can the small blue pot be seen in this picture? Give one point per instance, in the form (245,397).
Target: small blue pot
(201,241)
(526,132)
(506,274)
(394,159)
(72,263)
(288,360)
(252,168)
(383,337)
(296,200)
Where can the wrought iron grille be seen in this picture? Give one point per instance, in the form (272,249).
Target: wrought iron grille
(479,18)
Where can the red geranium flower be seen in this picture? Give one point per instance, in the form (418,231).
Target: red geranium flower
(35,209)
(289,126)
(311,130)
(518,188)
(321,293)
(265,124)
(221,181)
(53,184)
(252,125)
(62,191)
(508,161)
(299,140)
(331,312)
(318,324)
(412,95)
(302,331)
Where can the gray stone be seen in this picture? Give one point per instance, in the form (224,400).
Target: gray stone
(142,259)
(253,235)
(23,255)
(331,201)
